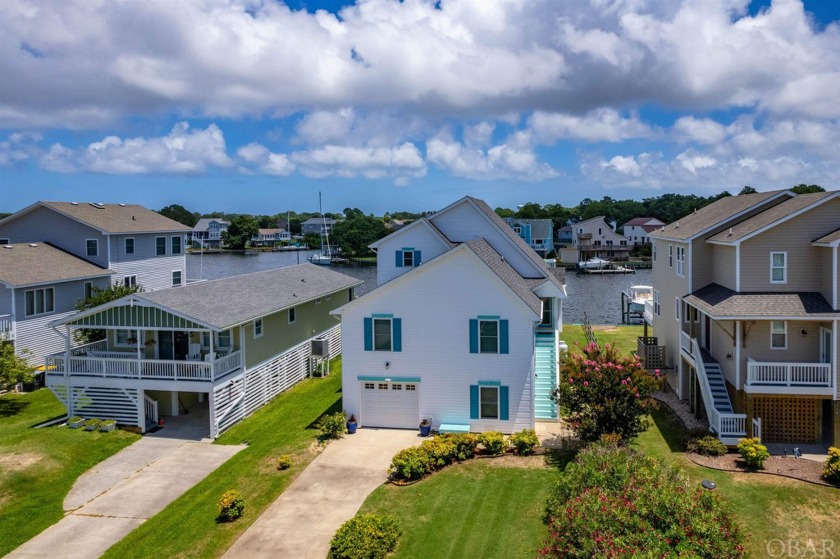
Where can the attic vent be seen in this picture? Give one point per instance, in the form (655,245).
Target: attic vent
(730,231)
(74,203)
(8,246)
(33,245)
(122,205)
(678,225)
(97,205)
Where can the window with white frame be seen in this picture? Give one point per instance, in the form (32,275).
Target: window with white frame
(778,334)
(176,245)
(88,290)
(40,301)
(677,307)
(125,338)
(488,336)
(258,328)
(130,281)
(408,258)
(656,307)
(129,245)
(292,315)
(681,261)
(176,278)
(92,246)
(382,334)
(488,402)
(224,340)
(160,246)
(778,267)
(654,251)
(670,256)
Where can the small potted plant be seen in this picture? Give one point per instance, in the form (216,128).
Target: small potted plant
(425,427)
(75,422)
(150,342)
(352,424)
(92,424)
(108,425)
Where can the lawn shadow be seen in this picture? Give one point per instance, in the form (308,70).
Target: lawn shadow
(671,427)
(335,407)
(46,422)
(10,407)
(559,458)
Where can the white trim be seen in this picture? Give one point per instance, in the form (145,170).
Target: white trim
(784,322)
(823,331)
(423,220)
(835,279)
(87,251)
(689,272)
(784,267)
(677,309)
(498,390)
(34,301)
(258,324)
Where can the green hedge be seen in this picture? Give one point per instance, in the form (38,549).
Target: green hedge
(366,536)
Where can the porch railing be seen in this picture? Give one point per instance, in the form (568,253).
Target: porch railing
(789,374)
(686,342)
(726,425)
(7,326)
(649,311)
(151,408)
(106,364)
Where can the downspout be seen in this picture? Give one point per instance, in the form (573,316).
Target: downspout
(738,268)
(687,267)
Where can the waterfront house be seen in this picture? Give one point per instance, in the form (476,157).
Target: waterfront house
(140,246)
(270,237)
(462,328)
(537,233)
(229,345)
(208,232)
(318,225)
(638,230)
(594,238)
(746,305)
(40,284)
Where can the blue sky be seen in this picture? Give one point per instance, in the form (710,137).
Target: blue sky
(256,105)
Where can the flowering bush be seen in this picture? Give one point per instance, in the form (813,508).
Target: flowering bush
(493,441)
(366,536)
(617,502)
(524,442)
(708,445)
(231,506)
(284,462)
(332,426)
(411,463)
(605,392)
(831,468)
(753,452)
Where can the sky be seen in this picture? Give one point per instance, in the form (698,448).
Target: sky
(255,106)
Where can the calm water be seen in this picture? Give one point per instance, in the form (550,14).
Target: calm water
(598,296)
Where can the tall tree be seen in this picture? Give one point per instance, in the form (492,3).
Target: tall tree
(748,190)
(355,234)
(100,296)
(807,188)
(240,231)
(180,214)
(13,368)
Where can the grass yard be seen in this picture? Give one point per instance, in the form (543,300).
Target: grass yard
(767,507)
(38,466)
(187,527)
(473,509)
(623,335)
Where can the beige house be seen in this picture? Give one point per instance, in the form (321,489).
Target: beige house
(595,238)
(746,306)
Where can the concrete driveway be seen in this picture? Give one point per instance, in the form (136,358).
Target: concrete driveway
(120,493)
(303,520)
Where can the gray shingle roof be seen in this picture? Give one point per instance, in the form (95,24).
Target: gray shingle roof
(117,218)
(540,228)
(832,237)
(498,265)
(229,301)
(723,303)
(204,223)
(770,216)
(39,263)
(713,214)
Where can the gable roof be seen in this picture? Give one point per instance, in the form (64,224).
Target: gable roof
(716,213)
(109,218)
(771,217)
(832,239)
(26,264)
(540,228)
(505,272)
(722,303)
(416,223)
(246,297)
(639,221)
(204,223)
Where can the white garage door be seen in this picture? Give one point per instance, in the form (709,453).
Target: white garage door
(390,404)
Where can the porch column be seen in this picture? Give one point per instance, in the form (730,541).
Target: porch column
(67,386)
(141,410)
(836,422)
(212,413)
(174,403)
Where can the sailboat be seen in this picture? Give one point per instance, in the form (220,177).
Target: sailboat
(324,258)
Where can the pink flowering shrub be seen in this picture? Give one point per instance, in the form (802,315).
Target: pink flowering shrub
(605,392)
(617,502)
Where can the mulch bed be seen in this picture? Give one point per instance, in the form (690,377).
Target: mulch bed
(801,469)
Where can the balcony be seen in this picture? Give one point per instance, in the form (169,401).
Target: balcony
(7,326)
(767,377)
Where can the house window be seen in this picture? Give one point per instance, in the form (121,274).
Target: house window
(408,258)
(517,229)
(125,338)
(596,243)
(670,256)
(160,246)
(546,312)
(224,340)
(258,328)
(778,267)
(681,261)
(656,307)
(92,247)
(292,315)
(130,281)
(318,300)
(677,306)
(176,278)
(88,290)
(489,403)
(778,334)
(488,336)
(129,245)
(382,334)
(176,245)
(5,241)
(40,301)
(411,387)
(383,386)
(654,251)
(369,386)
(396,387)
(623,243)
(609,243)
(328,297)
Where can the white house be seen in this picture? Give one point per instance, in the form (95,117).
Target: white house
(595,238)
(638,229)
(462,328)
(208,231)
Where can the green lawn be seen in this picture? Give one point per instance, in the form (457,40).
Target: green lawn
(38,466)
(187,527)
(474,509)
(625,335)
(767,507)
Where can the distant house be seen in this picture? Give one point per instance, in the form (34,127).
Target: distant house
(565,235)
(637,230)
(212,345)
(140,246)
(41,283)
(318,225)
(208,232)
(594,238)
(270,237)
(537,233)
(397,224)
(462,329)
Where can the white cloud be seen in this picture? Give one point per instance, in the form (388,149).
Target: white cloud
(18,148)
(693,162)
(401,162)
(600,125)
(498,162)
(700,130)
(626,165)
(269,163)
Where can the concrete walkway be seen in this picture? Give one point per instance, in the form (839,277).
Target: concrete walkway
(120,493)
(303,520)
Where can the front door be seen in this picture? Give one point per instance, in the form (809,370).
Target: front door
(166,345)
(825,345)
(181,345)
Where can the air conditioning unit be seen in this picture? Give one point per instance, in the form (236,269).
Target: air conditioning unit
(321,347)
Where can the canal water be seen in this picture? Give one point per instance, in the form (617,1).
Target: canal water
(599,296)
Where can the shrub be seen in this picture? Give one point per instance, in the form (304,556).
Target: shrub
(753,452)
(441,451)
(609,439)
(366,536)
(465,444)
(231,506)
(332,426)
(284,462)
(831,469)
(411,463)
(605,392)
(708,445)
(524,442)
(493,442)
(617,502)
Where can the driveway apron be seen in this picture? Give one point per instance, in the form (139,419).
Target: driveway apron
(120,493)
(303,520)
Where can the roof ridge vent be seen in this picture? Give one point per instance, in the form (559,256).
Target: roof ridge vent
(97,205)
(74,203)
(678,225)
(730,231)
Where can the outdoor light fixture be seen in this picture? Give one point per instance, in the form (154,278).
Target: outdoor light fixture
(804,332)
(387,365)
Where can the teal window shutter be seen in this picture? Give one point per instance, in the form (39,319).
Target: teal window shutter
(473,401)
(473,335)
(503,336)
(368,333)
(399,260)
(396,324)
(417,258)
(503,403)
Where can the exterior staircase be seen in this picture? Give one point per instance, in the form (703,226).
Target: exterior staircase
(545,369)
(720,397)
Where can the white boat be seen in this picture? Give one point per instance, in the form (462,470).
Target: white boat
(593,264)
(324,258)
(637,295)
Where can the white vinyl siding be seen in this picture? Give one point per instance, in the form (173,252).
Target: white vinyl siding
(778,267)
(778,334)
